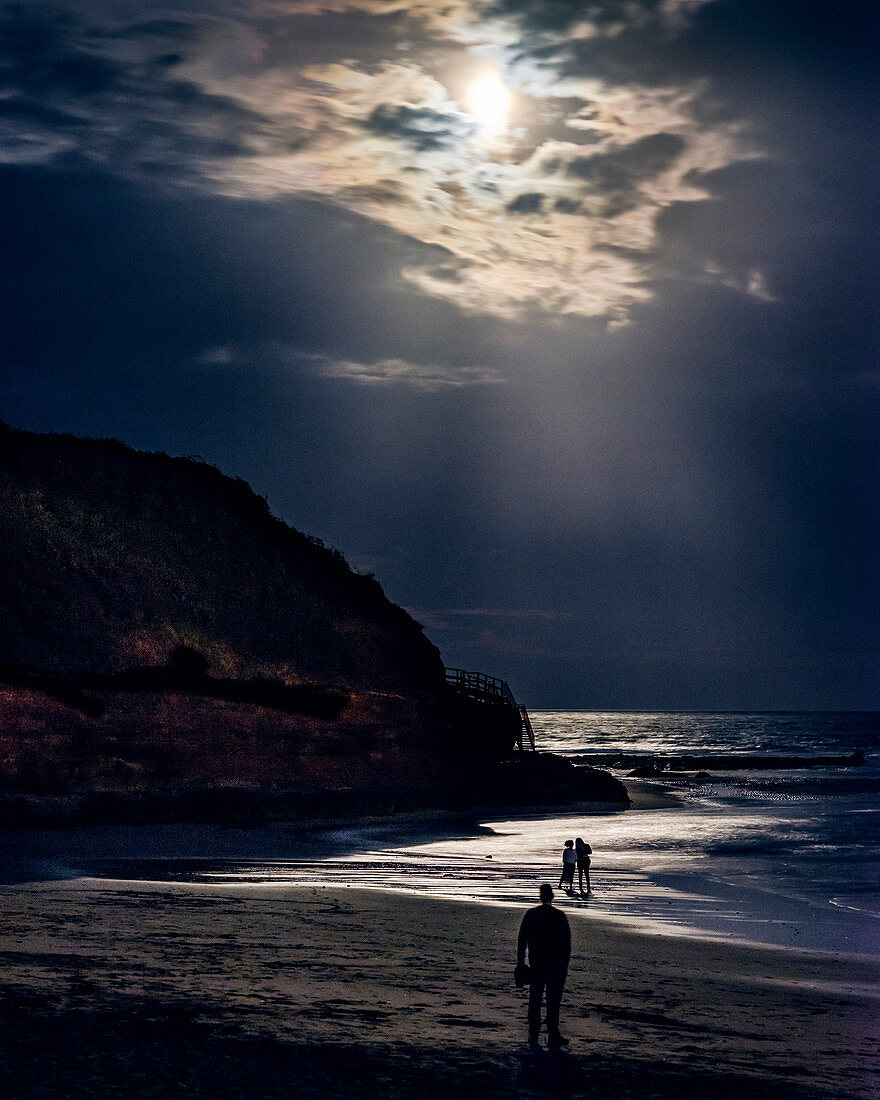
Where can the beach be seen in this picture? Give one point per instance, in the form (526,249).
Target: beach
(729,947)
(187,989)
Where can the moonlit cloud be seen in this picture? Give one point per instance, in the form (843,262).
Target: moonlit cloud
(427,377)
(420,376)
(234,102)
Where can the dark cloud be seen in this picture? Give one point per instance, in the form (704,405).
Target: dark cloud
(39,52)
(558,16)
(420,127)
(617,174)
(528,203)
(621,168)
(732,45)
(62,80)
(328,36)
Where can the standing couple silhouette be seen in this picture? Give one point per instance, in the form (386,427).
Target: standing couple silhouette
(575,856)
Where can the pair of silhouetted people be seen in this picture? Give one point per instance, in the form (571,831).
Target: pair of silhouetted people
(575,856)
(546,936)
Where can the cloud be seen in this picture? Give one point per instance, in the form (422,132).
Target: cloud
(131,99)
(570,20)
(373,120)
(420,376)
(617,173)
(420,127)
(529,202)
(377,372)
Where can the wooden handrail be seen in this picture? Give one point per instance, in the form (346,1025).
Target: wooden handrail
(490,689)
(480,686)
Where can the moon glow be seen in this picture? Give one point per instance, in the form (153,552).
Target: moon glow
(489,100)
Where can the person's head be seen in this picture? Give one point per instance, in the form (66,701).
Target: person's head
(546,893)
(579,841)
(569,843)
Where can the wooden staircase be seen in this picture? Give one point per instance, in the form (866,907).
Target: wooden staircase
(490,689)
(527,734)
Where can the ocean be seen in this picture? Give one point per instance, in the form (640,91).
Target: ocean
(782,856)
(789,858)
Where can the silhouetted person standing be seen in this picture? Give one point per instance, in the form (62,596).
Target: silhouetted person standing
(583,852)
(545,934)
(569,861)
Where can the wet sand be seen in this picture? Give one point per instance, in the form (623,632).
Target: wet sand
(146,989)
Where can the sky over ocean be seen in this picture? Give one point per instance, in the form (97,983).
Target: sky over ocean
(580,360)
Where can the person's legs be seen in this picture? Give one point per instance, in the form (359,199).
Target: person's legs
(536,994)
(555,980)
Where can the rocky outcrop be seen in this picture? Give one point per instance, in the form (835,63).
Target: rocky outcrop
(650,767)
(543,779)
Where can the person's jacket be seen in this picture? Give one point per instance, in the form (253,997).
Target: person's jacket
(545,933)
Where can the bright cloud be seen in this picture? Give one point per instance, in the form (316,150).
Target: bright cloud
(556,213)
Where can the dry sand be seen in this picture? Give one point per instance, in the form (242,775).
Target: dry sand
(171,990)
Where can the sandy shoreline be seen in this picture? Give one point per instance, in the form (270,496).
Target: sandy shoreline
(180,989)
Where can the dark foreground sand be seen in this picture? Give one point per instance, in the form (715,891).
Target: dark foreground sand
(140,990)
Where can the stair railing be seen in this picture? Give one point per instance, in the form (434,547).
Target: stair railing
(491,689)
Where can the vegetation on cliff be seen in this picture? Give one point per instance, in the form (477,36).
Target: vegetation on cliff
(111,558)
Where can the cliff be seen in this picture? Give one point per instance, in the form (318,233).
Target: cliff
(170,649)
(111,558)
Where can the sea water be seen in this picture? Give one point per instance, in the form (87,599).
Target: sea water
(783,857)
(775,856)
(813,833)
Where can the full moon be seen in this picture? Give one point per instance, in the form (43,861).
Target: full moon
(489,100)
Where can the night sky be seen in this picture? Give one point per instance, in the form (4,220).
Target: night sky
(585,371)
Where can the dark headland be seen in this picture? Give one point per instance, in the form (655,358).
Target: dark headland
(169,650)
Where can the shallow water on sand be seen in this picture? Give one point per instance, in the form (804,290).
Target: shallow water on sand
(499,866)
(648,871)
